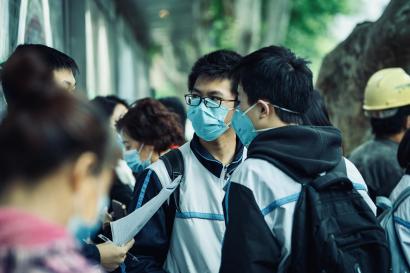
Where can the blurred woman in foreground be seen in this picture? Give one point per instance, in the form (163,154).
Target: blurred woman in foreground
(57,158)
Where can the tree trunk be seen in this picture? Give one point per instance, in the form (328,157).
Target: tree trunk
(345,71)
(277,22)
(248,24)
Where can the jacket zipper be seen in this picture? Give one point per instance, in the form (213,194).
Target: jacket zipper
(223,175)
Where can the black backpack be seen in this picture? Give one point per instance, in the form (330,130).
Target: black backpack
(334,230)
(174,163)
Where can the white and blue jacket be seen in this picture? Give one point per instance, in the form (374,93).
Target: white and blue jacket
(262,195)
(187,240)
(402,216)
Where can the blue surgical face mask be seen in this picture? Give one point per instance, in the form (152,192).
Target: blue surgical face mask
(243,126)
(82,230)
(133,159)
(208,123)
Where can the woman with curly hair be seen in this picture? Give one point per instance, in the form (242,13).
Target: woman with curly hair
(148,130)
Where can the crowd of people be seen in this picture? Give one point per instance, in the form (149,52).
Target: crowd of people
(264,184)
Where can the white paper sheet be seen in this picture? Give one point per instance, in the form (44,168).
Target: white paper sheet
(124,229)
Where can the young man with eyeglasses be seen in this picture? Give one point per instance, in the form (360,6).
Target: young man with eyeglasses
(186,234)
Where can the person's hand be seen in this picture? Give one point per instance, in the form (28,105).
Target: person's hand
(112,256)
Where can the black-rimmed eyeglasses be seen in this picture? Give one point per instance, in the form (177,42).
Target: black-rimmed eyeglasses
(210,102)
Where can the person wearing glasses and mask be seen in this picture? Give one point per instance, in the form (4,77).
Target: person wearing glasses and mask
(186,233)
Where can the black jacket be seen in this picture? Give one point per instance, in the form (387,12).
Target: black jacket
(297,153)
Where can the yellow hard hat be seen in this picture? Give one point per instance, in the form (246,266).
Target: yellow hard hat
(386,89)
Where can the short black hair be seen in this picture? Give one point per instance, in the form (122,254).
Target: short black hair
(54,58)
(215,65)
(275,74)
(317,114)
(31,63)
(104,105)
(46,128)
(118,100)
(175,105)
(386,127)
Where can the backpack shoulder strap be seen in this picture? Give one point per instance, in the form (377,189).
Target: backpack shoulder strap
(403,196)
(335,177)
(387,205)
(174,163)
(341,167)
(383,203)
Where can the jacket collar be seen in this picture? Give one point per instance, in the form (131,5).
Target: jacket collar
(213,165)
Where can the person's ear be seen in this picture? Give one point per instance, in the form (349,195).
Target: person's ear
(82,169)
(264,109)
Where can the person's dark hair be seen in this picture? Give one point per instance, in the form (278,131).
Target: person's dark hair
(403,153)
(317,114)
(105,105)
(52,57)
(216,65)
(46,128)
(118,100)
(175,105)
(386,127)
(150,122)
(31,63)
(275,74)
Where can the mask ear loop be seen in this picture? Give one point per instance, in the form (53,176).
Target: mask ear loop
(140,149)
(249,109)
(278,107)
(284,109)
(150,156)
(244,113)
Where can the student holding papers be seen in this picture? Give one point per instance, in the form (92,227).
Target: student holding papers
(186,233)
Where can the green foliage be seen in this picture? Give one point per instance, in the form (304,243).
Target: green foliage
(221,33)
(308,33)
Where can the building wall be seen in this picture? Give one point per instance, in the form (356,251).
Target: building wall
(110,59)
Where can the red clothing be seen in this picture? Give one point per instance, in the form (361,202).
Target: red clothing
(31,244)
